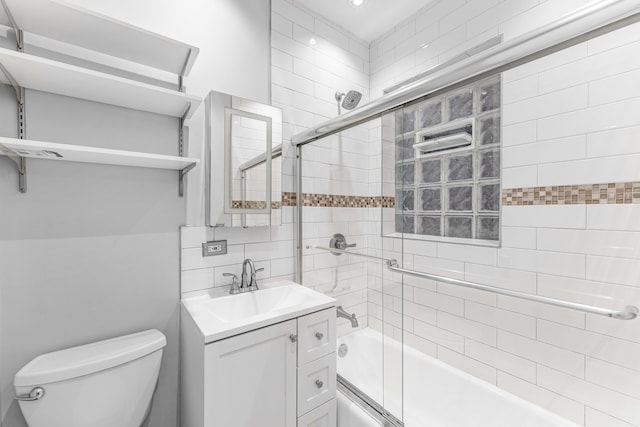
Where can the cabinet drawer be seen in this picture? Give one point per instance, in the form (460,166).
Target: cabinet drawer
(323,416)
(316,383)
(316,335)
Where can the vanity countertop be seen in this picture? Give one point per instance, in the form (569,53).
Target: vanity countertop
(219,315)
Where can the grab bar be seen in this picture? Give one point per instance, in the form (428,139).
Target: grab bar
(630,312)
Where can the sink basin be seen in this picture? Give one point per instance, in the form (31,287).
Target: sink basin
(224,316)
(236,307)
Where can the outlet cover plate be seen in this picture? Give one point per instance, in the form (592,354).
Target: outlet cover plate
(216,247)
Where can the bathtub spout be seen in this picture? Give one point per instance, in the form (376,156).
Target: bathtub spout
(351,317)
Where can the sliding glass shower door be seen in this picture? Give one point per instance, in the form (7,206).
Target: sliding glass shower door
(343,256)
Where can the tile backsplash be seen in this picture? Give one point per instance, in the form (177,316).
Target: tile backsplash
(272,248)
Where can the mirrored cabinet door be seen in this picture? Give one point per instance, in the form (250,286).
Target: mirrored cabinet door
(243,162)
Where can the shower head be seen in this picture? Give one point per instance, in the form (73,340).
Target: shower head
(351,100)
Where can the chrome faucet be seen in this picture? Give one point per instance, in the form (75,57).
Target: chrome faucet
(341,312)
(249,282)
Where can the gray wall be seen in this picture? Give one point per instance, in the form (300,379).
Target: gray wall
(90,251)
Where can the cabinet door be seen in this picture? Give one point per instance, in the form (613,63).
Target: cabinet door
(250,379)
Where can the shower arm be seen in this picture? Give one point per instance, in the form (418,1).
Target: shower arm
(630,312)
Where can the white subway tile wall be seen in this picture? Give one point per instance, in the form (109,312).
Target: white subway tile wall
(568,119)
(337,165)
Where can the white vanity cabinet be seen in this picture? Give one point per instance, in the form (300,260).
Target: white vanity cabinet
(250,379)
(281,375)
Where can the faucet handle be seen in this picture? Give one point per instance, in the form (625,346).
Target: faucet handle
(253,284)
(235,288)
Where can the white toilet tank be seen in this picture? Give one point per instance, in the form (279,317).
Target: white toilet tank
(104,384)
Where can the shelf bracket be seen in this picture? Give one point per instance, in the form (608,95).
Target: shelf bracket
(20,162)
(183,173)
(181,87)
(181,149)
(14,25)
(19,40)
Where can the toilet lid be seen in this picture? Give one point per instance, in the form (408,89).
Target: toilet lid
(86,359)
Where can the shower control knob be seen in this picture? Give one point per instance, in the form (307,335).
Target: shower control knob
(293,337)
(338,241)
(319,335)
(319,383)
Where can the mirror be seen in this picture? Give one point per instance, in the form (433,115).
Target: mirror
(243,162)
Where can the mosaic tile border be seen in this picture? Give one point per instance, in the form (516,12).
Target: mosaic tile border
(338,201)
(289,198)
(584,194)
(251,204)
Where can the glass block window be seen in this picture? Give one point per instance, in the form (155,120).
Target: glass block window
(450,192)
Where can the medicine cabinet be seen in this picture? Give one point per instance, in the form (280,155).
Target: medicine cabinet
(243,162)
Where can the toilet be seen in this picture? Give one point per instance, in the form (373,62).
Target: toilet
(103,384)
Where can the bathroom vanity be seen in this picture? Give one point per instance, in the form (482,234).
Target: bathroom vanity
(264,358)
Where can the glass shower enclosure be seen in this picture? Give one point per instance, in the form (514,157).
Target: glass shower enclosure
(403,206)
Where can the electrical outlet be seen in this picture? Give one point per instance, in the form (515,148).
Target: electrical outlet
(217,247)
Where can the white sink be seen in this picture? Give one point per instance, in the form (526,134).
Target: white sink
(224,316)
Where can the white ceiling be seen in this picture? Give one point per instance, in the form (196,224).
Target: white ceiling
(369,21)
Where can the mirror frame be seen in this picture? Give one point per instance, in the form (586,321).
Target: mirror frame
(229,112)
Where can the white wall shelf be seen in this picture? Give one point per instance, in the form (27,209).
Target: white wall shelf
(68,22)
(77,153)
(20,149)
(33,72)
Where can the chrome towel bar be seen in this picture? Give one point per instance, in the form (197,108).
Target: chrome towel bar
(630,312)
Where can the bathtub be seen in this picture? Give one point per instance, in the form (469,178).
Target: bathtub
(435,394)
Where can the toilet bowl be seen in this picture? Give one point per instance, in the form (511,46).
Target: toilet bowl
(103,384)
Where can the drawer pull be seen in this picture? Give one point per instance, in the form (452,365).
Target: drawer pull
(319,335)
(293,337)
(319,383)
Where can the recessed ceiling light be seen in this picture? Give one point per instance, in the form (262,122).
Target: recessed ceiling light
(312,41)
(356,2)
